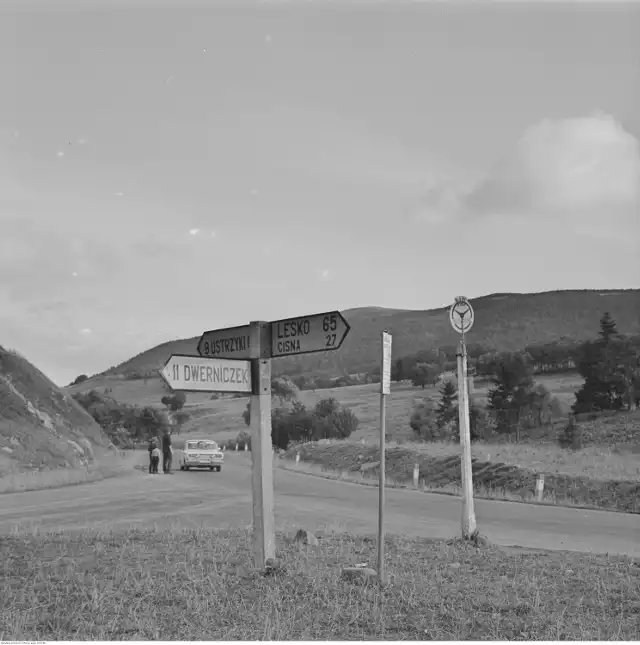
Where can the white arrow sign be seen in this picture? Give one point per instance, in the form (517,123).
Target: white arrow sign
(461,315)
(195,374)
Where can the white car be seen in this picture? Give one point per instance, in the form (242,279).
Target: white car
(202,453)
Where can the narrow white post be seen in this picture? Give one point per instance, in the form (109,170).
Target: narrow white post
(385,389)
(236,447)
(540,487)
(468,513)
(246,447)
(261,453)
(416,475)
(297,458)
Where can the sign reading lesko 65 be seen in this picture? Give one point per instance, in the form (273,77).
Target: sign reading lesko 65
(308,334)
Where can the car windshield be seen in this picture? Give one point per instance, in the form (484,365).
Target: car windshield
(202,445)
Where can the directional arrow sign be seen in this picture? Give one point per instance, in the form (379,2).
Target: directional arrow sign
(195,374)
(308,334)
(233,342)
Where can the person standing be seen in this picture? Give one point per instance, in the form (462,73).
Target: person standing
(153,444)
(167,452)
(155,460)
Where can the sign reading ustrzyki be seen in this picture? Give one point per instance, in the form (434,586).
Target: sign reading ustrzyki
(195,374)
(233,342)
(308,334)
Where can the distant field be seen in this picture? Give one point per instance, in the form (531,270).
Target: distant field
(222,418)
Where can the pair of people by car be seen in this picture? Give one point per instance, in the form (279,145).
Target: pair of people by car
(166,451)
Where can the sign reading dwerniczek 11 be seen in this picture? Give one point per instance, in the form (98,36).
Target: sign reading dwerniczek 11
(196,374)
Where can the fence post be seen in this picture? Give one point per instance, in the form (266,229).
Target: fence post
(540,487)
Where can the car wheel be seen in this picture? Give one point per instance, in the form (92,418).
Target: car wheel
(219,468)
(186,467)
(211,468)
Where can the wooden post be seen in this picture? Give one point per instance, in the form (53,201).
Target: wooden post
(261,460)
(468,514)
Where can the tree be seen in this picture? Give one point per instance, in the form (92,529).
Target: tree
(448,408)
(424,374)
(175,401)
(607,328)
(397,371)
(80,379)
(181,417)
(424,423)
(512,391)
(284,389)
(610,368)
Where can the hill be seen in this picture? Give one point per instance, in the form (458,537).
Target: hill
(503,321)
(41,427)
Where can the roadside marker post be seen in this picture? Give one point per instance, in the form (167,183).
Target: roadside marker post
(462,317)
(416,475)
(385,390)
(540,487)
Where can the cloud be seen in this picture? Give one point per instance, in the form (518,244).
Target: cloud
(60,153)
(86,331)
(194,231)
(584,170)
(324,274)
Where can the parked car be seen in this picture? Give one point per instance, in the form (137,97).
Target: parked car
(202,453)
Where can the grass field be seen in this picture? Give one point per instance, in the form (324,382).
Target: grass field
(504,476)
(194,584)
(221,419)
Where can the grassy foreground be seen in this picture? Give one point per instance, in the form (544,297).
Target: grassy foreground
(198,585)
(511,479)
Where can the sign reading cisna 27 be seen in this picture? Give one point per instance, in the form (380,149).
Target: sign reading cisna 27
(308,334)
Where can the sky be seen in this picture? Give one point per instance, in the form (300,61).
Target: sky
(172,167)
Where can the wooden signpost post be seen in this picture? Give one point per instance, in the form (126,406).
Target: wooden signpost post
(462,317)
(238,359)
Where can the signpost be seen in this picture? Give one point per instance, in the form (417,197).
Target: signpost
(308,334)
(385,389)
(462,317)
(195,374)
(238,359)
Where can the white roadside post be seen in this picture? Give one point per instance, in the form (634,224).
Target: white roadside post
(385,390)
(461,317)
(540,487)
(416,475)
(264,535)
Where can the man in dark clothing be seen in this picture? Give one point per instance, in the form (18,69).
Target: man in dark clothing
(167,452)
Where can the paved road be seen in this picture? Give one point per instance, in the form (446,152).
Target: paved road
(223,500)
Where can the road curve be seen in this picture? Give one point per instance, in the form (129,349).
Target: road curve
(223,500)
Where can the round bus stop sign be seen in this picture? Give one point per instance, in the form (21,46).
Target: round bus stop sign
(461,315)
